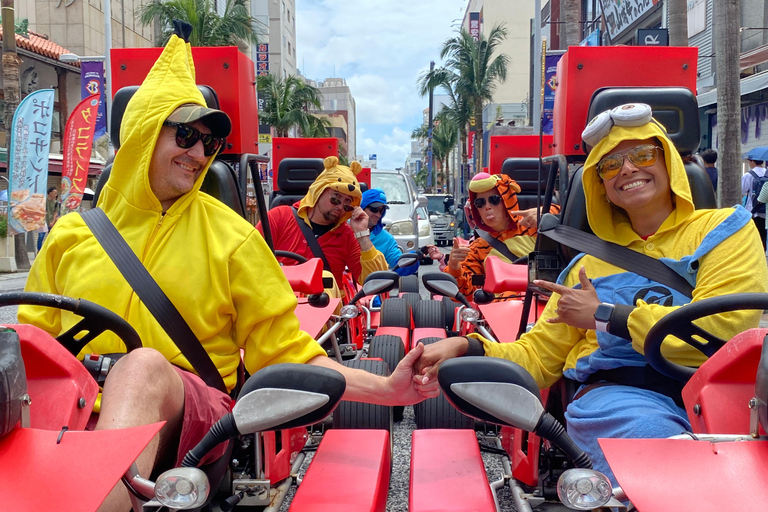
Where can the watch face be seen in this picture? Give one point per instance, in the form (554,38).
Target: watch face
(603,313)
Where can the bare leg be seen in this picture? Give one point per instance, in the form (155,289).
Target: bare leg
(141,389)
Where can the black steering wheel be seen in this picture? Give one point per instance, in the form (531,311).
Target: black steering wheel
(298,258)
(96,319)
(680,324)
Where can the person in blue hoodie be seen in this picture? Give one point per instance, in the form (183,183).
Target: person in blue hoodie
(374,203)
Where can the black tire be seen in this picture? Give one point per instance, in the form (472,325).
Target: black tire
(450,313)
(429,313)
(437,412)
(391,350)
(409,284)
(395,313)
(350,415)
(412,298)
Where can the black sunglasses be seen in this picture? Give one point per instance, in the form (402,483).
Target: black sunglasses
(187,137)
(378,209)
(495,200)
(335,201)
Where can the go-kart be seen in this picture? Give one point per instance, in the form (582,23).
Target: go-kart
(718,466)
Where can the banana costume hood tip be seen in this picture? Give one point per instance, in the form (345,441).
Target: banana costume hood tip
(339,178)
(612,223)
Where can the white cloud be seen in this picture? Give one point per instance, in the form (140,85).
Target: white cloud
(380,48)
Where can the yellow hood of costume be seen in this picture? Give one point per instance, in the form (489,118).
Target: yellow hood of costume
(507,189)
(168,85)
(340,178)
(611,223)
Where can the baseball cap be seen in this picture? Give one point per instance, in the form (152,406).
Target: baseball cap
(217,120)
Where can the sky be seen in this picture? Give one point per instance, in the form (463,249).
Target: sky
(380,47)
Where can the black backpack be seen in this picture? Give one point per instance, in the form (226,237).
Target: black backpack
(757,186)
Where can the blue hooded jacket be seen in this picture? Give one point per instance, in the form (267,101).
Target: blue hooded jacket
(381,239)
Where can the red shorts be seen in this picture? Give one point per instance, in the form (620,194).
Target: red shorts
(203,406)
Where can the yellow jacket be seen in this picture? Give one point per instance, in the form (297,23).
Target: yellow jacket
(213,265)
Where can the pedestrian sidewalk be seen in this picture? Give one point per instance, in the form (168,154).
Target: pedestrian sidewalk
(15,281)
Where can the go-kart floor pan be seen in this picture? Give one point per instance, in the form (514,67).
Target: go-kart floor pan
(690,476)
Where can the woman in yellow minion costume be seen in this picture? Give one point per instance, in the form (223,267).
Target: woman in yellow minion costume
(638,196)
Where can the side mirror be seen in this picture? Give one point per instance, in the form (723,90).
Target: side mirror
(286,396)
(377,282)
(443,284)
(504,393)
(407,259)
(422,201)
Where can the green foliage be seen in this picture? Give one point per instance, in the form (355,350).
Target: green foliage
(233,28)
(286,105)
(3,226)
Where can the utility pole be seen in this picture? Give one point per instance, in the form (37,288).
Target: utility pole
(536,112)
(727,46)
(429,132)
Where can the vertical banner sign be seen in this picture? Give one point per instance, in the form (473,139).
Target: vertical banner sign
(474,25)
(76,146)
(92,82)
(28,162)
(550,85)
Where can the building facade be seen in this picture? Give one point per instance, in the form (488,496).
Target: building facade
(339,107)
(276,21)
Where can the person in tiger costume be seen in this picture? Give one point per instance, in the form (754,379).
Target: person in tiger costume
(495,209)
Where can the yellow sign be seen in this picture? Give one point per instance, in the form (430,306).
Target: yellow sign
(265,138)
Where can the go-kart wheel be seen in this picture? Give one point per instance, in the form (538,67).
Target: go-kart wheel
(438,412)
(429,313)
(395,312)
(450,313)
(680,324)
(298,258)
(391,350)
(361,415)
(95,319)
(412,298)
(409,284)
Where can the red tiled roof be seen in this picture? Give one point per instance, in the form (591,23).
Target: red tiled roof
(40,45)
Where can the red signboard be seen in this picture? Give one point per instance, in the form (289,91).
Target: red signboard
(229,72)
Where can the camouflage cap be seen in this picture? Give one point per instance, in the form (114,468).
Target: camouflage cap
(217,120)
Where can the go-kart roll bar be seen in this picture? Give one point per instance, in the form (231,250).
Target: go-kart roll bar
(330,334)
(246,161)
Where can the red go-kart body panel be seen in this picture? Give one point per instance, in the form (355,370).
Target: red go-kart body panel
(723,386)
(305,278)
(504,317)
(447,473)
(56,382)
(69,472)
(343,477)
(225,69)
(584,69)
(517,146)
(690,476)
(523,449)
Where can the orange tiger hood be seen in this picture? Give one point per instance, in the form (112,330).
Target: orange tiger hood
(507,189)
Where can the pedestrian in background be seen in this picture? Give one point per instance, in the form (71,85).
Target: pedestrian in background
(710,157)
(52,213)
(750,190)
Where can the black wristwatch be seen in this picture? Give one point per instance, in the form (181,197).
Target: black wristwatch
(603,317)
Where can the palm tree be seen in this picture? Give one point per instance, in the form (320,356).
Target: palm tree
(233,28)
(678,22)
(444,139)
(571,10)
(287,102)
(457,112)
(478,71)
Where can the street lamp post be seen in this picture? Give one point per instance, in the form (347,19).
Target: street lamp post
(71,58)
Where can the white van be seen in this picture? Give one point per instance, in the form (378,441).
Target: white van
(407,219)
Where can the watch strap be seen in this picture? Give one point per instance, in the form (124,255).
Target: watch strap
(363,233)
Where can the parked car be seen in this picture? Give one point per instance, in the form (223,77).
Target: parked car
(441,218)
(402,219)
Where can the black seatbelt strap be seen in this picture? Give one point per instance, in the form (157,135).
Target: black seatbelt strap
(497,244)
(153,297)
(311,240)
(620,256)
